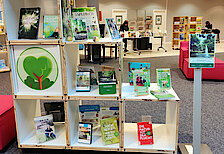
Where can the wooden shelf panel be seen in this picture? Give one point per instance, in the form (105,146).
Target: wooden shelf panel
(34,42)
(162,139)
(128,93)
(93,94)
(59,142)
(101,41)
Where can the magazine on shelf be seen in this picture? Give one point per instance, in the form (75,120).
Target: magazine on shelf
(2,63)
(90,114)
(29,23)
(85,19)
(163,78)
(50,27)
(79,28)
(45,130)
(145,133)
(85,133)
(112,28)
(83,81)
(90,69)
(162,94)
(138,66)
(140,80)
(109,131)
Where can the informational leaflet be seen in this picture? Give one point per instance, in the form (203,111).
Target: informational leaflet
(84,19)
(112,28)
(202,51)
(163,78)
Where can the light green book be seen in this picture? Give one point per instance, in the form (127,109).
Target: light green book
(109,131)
(140,80)
(163,78)
(162,94)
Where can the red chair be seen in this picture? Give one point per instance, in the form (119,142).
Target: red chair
(7,120)
(216,73)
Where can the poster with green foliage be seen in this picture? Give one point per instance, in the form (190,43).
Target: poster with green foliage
(37,68)
(202,51)
(109,131)
(90,24)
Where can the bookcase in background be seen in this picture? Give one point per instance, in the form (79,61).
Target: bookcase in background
(27,103)
(183,26)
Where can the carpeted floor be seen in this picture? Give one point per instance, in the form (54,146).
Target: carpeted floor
(212,103)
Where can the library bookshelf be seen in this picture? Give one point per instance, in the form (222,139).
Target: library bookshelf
(27,101)
(183,26)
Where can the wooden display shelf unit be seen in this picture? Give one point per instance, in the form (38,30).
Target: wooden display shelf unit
(27,103)
(183,26)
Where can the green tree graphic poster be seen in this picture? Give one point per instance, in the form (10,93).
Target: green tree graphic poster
(37,68)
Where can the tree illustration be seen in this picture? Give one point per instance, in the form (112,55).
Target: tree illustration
(38,69)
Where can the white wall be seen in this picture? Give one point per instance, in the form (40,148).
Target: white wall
(132,6)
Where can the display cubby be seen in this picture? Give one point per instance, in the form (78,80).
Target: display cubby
(12,16)
(97,142)
(26,99)
(25,111)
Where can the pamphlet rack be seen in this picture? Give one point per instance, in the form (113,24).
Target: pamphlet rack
(27,104)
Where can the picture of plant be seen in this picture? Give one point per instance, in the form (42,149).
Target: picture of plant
(37,68)
(202,45)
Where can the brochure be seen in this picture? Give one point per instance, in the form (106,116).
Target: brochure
(83,81)
(50,27)
(90,114)
(85,133)
(138,66)
(112,28)
(90,23)
(140,82)
(109,131)
(162,94)
(163,78)
(44,128)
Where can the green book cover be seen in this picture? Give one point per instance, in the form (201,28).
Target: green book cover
(109,131)
(140,79)
(91,20)
(163,78)
(50,27)
(162,94)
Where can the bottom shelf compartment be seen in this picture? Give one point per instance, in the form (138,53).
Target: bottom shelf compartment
(60,140)
(163,140)
(97,143)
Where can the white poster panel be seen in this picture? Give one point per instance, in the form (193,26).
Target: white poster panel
(37,70)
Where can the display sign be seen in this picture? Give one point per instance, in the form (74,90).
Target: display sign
(202,51)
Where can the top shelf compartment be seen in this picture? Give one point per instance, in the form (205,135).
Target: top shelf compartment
(12,14)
